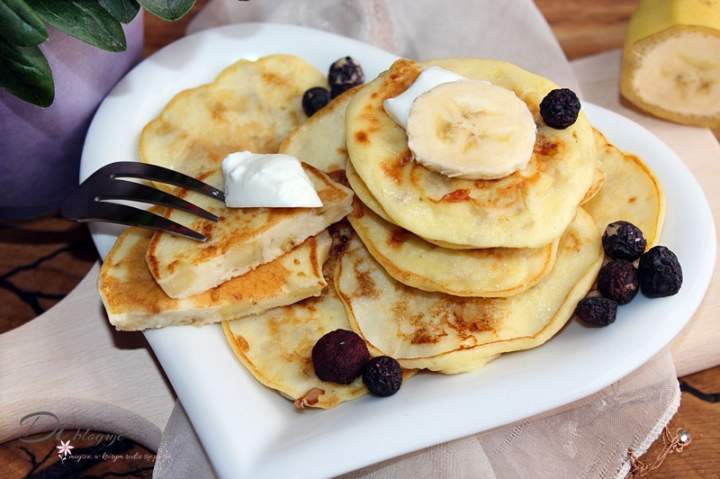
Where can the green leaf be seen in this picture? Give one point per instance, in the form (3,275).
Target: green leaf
(121,10)
(170,10)
(25,72)
(19,25)
(85,20)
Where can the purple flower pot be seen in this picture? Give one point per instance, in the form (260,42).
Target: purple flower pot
(40,147)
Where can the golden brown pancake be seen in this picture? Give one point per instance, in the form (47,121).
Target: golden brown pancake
(320,141)
(241,240)
(251,105)
(529,208)
(490,272)
(134,301)
(631,192)
(450,334)
(276,346)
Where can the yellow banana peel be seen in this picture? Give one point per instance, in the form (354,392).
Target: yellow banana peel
(671,60)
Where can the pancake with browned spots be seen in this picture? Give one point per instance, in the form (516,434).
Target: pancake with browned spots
(320,141)
(134,301)
(361,191)
(529,208)
(631,192)
(450,334)
(597,184)
(251,105)
(276,346)
(241,240)
(489,272)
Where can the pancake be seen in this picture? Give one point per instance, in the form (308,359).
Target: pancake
(450,334)
(320,141)
(276,346)
(493,272)
(631,193)
(597,184)
(134,301)
(527,209)
(362,193)
(241,240)
(251,105)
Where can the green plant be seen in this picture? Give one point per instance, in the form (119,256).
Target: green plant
(24,70)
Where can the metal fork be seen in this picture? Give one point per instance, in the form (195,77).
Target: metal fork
(90,201)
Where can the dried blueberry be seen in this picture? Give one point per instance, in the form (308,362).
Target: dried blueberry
(339,356)
(382,376)
(344,74)
(618,280)
(597,311)
(623,240)
(660,273)
(314,99)
(560,108)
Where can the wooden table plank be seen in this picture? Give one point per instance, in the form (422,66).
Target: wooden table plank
(584,27)
(702,419)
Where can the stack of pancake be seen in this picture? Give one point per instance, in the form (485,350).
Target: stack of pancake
(255,258)
(440,273)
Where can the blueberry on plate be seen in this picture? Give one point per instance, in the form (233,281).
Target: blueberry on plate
(623,240)
(344,74)
(382,376)
(660,273)
(618,280)
(597,311)
(314,99)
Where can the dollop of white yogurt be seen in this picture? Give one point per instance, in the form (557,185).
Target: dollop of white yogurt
(398,108)
(261,180)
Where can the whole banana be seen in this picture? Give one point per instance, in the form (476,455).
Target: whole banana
(671,61)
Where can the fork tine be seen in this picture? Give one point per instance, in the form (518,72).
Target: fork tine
(126,190)
(134,169)
(131,216)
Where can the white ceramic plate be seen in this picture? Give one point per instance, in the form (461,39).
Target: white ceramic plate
(250,431)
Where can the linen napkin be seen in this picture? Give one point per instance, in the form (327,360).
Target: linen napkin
(593,437)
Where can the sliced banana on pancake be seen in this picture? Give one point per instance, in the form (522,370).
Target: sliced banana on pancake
(320,141)
(528,209)
(471,129)
(251,105)
(631,192)
(409,259)
(450,334)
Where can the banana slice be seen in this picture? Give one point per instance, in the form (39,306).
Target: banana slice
(471,129)
(671,63)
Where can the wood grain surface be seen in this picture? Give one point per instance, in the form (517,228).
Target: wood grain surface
(582,26)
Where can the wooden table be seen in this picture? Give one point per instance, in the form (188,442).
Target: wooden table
(30,256)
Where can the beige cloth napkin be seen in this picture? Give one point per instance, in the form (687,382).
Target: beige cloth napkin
(590,438)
